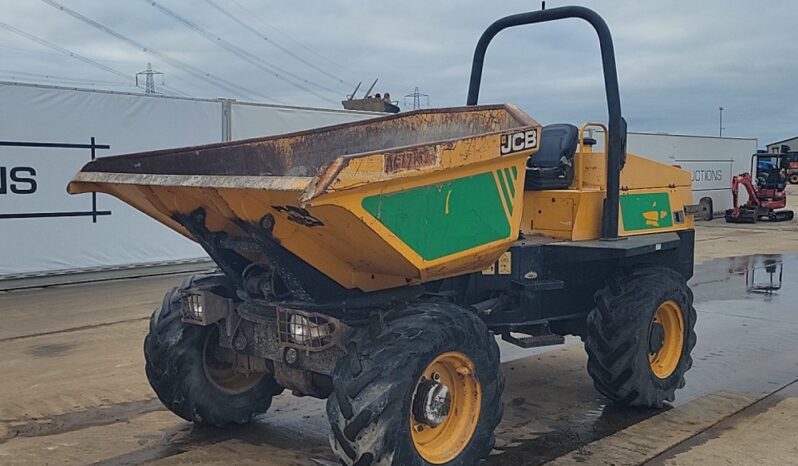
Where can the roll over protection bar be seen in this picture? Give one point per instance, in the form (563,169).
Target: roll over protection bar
(616,139)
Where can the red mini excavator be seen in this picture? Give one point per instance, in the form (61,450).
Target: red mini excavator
(765,195)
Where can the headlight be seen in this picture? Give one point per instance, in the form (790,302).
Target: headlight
(193,307)
(201,307)
(306,331)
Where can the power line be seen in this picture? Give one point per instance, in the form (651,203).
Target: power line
(63,50)
(75,55)
(93,87)
(275,44)
(37,52)
(54,47)
(174,91)
(20,79)
(300,44)
(197,72)
(241,53)
(20,74)
(266,23)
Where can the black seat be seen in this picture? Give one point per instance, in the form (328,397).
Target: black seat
(773,180)
(552,167)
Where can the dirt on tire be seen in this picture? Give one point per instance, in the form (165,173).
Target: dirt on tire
(374,382)
(176,369)
(618,332)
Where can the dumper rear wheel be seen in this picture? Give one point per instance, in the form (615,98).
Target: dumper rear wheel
(189,378)
(640,336)
(424,388)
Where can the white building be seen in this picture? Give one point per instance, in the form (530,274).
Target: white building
(712,161)
(48,133)
(776,147)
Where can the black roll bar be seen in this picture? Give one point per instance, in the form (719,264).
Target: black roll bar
(616,139)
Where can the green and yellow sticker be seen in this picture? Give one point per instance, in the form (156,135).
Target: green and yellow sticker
(447,218)
(646,211)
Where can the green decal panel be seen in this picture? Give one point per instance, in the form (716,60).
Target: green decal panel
(646,211)
(443,219)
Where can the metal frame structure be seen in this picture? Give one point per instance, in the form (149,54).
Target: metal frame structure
(616,142)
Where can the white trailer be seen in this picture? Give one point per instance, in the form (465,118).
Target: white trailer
(711,161)
(48,133)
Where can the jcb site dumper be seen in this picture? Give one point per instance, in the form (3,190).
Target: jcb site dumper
(373,263)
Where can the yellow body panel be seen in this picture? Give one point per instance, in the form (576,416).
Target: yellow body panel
(563,213)
(434,194)
(474,259)
(324,219)
(574,214)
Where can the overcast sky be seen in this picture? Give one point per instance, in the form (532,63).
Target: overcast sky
(678,60)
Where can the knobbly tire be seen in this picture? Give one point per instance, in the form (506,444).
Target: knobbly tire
(379,382)
(640,336)
(188,381)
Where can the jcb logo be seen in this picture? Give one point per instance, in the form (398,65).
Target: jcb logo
(519,141)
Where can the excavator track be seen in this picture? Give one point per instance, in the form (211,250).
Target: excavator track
(743,216)
(750,216)
(781,215)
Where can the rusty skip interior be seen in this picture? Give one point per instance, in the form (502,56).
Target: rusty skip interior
(305,153)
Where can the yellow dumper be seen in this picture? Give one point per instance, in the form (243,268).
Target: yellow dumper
(372,263)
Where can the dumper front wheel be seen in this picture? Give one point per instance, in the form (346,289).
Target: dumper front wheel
(185,371)
(640,336)
(424,388)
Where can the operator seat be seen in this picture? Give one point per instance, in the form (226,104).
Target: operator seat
(774,180)
(552,167)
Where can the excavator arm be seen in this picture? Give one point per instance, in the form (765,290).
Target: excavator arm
(747,181)
(747,213)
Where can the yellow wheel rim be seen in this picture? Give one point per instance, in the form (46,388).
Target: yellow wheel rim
(444,442)
(670,318)
(222,374)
